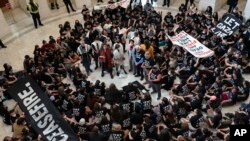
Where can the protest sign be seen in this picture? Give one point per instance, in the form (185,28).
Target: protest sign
(191,44)
(227,26)
(40,112)
(122,3)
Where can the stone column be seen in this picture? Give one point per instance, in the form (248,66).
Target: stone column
(215,4)
(5,29)
(80,3)
(247,10)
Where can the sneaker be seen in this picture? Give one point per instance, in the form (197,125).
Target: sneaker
(102,74)
(112,76)
(137,75)
(41,24)
(141,78)
(158,98)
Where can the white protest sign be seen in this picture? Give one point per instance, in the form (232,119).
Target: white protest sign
(123,3)
(191,44)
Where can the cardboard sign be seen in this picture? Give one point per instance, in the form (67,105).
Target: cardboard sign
(40,112)
(123,3)
(227,26)
(191,44)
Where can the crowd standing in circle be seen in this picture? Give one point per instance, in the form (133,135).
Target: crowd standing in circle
(97,112)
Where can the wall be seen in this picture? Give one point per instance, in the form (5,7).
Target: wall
(215,4)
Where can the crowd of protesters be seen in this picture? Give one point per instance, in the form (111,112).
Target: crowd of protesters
(97,112)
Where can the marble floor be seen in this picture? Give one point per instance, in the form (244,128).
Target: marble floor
(24,37)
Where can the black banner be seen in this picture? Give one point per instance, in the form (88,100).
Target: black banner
(227,26)
(40,112)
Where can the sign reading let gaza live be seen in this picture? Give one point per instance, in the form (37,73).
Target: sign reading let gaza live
(227,26)
(40,112)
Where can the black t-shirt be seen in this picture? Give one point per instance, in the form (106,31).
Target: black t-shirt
(126,123)
(195,103)
(194,120)
(131,92)
(216,120)
(105,127)
(117,135)
(127,106)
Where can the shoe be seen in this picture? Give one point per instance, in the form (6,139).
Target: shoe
(141,78)
(153,92)
(112,76)
(145,83)
(117,73)
(125,72)
(129,70)
(41,24)
(74,10)
(137,75)
(57,6)
(36,27)
(164,5)
(102,74)
(90,70)
(96,68)
(158,98)
(134,73)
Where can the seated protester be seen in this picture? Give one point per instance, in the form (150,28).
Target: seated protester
(81,96)
(201,134)
(137,133)
(168,80)
(230,97)
(181,89)
(98,88)
(105,127)
(194,120)
(76,110)
(182,8)
(183,130)
(99,112)
(189,68)
(149,127)
(137,116)
(116,134)
(165,107)
(126,104)
(194,101)
(179,19)
(18,126)
(113,95)
(209,11)
(82,129)
(94,135)
(194,79)
(216,85)
(131,91)
(215,121)
(146,103)
(244,91)
(125,121)
(168,20)
(213,102)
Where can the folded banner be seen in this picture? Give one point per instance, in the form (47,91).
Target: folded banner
(191,44)
(123,3)
(40,112)
(227,26)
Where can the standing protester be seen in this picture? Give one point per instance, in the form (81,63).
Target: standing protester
(154,77)
(2,45)
(118,59)
(138,58)
(166,2)
(84,51)
(187,1)
(232,4)
(53,3)
(32,7)
(96,46)
(68,3)
(106,59)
